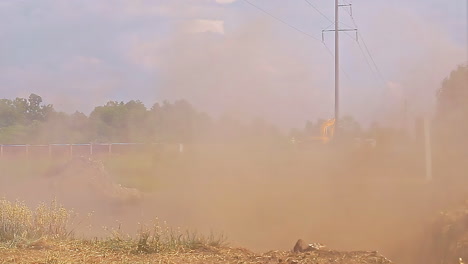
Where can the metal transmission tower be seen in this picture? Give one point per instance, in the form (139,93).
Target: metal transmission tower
(337,30)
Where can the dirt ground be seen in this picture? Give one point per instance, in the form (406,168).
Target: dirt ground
(79,252)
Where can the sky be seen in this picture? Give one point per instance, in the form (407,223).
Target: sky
(229,57)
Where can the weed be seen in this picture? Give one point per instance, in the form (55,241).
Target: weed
(19,222)
(22,227)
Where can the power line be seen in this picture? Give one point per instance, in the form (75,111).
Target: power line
(320,12)
(317,39)
(282,21)
(333,56)
(299,30)
(293,27)
(332,23)
(359,45)
(346,25)
(380,76)
(363,54)
(325,16)
(372,58)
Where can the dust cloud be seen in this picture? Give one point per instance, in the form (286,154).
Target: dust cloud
(264,198)
(251,71)
(257,67)
(267,197)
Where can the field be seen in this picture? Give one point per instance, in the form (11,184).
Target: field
(260,199)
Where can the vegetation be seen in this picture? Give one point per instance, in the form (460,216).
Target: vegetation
(19,224)
(452,98)
(451,126)
(162,238)
(159,244)
(29,121)
(24,227)
(452,110)
(50,226)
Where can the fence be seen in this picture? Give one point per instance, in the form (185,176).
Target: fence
(71,150)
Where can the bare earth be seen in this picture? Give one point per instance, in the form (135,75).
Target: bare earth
(81,252)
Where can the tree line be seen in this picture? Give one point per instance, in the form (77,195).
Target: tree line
(31,121)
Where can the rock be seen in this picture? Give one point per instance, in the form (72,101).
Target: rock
(301,246)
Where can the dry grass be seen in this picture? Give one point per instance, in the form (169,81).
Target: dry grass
(159,238)
(18,222)
(22,226)
(42,236)
(91,252)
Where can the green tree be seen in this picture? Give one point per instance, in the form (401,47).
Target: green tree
(451,124)
(452,98)
(108,121)
(34,108)
(7,113)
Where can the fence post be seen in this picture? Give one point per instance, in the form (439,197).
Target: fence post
(110,148)
(181,148)
(91,149)
(428,148)
(1,151)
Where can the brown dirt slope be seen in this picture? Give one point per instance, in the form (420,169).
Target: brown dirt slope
(90,252)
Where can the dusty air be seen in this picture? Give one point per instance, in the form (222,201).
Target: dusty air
(234,131)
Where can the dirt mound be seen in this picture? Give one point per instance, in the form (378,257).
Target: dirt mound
(87,180)
(325,257)
(449,241)
(76,251)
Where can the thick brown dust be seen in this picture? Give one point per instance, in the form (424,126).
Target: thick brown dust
(262,199)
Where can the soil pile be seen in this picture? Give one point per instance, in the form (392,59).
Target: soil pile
(83,179)
(323,256)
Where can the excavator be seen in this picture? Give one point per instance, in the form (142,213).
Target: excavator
(327,132)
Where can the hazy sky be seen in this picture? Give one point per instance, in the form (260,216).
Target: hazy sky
(225,56)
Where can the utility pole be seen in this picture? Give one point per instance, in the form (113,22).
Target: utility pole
(337,30)
(337,66)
